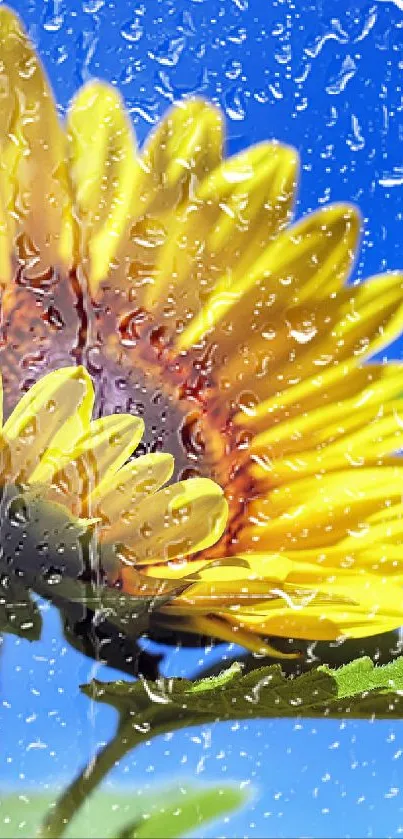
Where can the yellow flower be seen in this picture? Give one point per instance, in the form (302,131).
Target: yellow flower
(52,450)
(237,335)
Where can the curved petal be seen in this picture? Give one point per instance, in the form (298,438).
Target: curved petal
(320,510)
(185,147)
(370,438)
(6,240)
(104,169)
(364,607)
(217,626)
(49,418)
(183,518)
(230,219)
(309,261)
(33,171)
(119,495)
(305,407)
(357,430)
(296,350)
(94,460)
(304,602)
(369,317)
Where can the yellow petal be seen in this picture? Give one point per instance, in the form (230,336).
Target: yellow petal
(33,172)
(373,548)
(292,344)
(360,440)
(389,513)
(217,626)
(6,242)
(38,420)
(104,169)
(226,583)
(307,603)
(313,623)
(256,583)
(359,483)
(62,444)
(118,496)
(295,344)
(185,147)
(183,518)
(332,420)
(230,219)
(375,317)
(308,261)
(370,316)
(320,510)
(94,460)
(304,406)
(257,186)
(361,606)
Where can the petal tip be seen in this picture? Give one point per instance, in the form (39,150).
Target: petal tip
(9,20)
(93,90)
(343,210)
(204,486)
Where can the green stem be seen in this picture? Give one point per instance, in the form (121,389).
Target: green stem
(62,813)
(127,737)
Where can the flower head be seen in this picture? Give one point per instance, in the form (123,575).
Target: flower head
(235,335)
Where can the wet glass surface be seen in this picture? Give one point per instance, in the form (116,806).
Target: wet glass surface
(326,81)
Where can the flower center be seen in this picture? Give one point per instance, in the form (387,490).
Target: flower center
(52,323)
(171,424)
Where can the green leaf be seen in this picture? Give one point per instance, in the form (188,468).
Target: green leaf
(148,708)
(365,691)
(358,689)
(180,813)
(118,815)
(361,675)
(265,692)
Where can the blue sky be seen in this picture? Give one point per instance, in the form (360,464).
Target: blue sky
(324,77)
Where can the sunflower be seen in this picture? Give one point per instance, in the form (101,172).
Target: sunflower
(201,306)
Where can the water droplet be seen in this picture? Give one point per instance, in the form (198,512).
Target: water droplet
(53,576)
(18,512)
(132,31)
(340,81)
